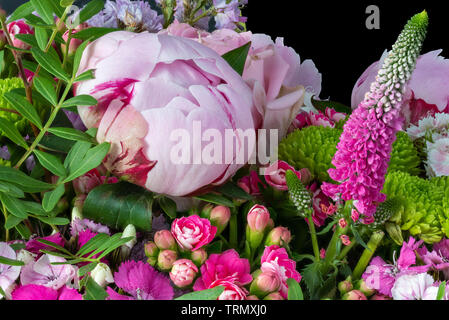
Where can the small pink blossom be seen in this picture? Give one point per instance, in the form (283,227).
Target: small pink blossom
(91,180)
(329,118)
(322,207)
(251,184)
(413,287)
(35,246)
(15,28)
(275,175)
(232,291)
(183,272)
(39,292)
(322,253)
(345,240)
(342,223)
(193,232)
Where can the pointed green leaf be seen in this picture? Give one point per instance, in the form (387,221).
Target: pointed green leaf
(441,291)
(29,39)
(21,12)
(94,291)
(87,268)
(208,294)
(66,3)
(51,198)
(44,9)
(23,231)
(12,221)
(11,189)
(51,163)
(14,206)
(25,108)
(93,33)
(237,57)
(216,199)
(26,183)
(88,75)
(76,154)
(92,244)
(168,206)
(12,133)
(79,55)
(91,9)
(49,63)
(57,221)
(81,100)
(294,290)
(71,134)
(54,245)
(46,88)
(41,37)
(11,262)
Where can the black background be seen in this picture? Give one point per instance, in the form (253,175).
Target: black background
(333,33)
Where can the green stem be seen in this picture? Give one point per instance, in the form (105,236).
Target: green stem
(367,254)
(233,237)
(331,250)
(5,214)
(346,250)
(316,249)
(226,242)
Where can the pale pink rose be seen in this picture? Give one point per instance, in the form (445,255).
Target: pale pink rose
(275,259)
(183,272)
(156,91)
(14,28)
(42,272)
(275,175)
(191,233)
(258,218)
(8,274)
(426,93)
(251,183)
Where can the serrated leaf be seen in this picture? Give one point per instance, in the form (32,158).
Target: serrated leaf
(81,100)
(51,163)
(294,290)
(209,294)
(216,199)
(14,206)
(93,158)
(41,37)
(44,9)
(70,134)
(51,198)
(46,88)
(26,183)
(12,133)
(168,206)
(49,63)
(21,12)
(312,277)
(237,57)
(25,108)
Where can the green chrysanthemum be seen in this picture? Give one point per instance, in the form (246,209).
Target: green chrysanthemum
(315,146)
(7,85)
(421,209)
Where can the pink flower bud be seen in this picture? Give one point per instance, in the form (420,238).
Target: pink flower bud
(19,27)
(279,236)
(220,217)
(274,296)
(166,259)
(345,286)
(258,218)
(342,223)
(183,273)
(265,283)
(74,43)
(199,256)
(354,295)
(250,184)
(151,250)
(275,175)
(355,216)
(345,240)
(164,240)
(322,253)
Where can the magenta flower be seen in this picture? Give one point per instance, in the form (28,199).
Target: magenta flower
(15,28)
(35,246)
(192,233)
(156,91)
(225,266)
(438,258)
(322,207)
(42,272)
(8,274)
(251,184)
(142,282)
(232,291)
(39,292)
(275,175)
(275,259)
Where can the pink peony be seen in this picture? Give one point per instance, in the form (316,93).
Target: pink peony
(142,282)
(192,233)
(168,89)
(39,292)
(18,27)
(183,272)
(8,274)
(35,246)
(426,93)
(275,175)
(251,184)
(275,259)
(43,272)
(224,266)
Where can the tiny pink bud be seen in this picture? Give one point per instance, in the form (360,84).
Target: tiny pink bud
(274,296)
(151,250)
(219,217)
(354,295)
(74,43)
(199,256)
(265,283)
(258,218)
(164,240)
(380,297)
(183,273)
(322,253)
(279,236)
(345,240)
(355,216)
(19,27)
(166,259)
(342,223)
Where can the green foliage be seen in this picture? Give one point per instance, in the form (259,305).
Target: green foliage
(208,294)
(19,122)
(314,148)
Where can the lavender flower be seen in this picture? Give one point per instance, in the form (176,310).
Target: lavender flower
(228,13)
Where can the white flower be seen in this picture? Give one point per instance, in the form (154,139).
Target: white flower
(102,275)
(8,274)
(130,231)
(438,157)
(413,287)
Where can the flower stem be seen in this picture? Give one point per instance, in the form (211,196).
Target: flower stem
(373,243)
(316,249)
(346,250)
(5,214)
(233,237)
(332,247)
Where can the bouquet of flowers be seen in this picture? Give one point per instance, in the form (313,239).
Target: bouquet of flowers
(159,150)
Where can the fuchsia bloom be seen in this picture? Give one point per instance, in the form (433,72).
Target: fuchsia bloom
(232,290)
(18,27)
(275,175)
(165,86)
(227,266)
(250,184)
(275,259)
(142,282)
(193,232)
(39,292)
(8,274)
(438,258)
(322,207)
(35,246)
(426,93)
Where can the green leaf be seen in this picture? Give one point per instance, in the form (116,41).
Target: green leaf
(23,231)
(234,192)
(51,198)
(44,9)
(92,244)
(46,88)
(441,291)
(25,108)
(93,33)
(216,199)
(87,75)
(91,160)
(12,133)
(168,206)
(328,228)
(209,294)
(322,105)
(51,163)
(312,277)
(359,238)
(118,205)
(94,291)
(215,247)
(87,268)
(81,100)
(34,208)
(56,144)
(57,221)
(49,63)
(12,221)
(14,206)
(11,262)
(57,9)
(78,56)
(29,39)
(237,57)
(41,37)
(71,134)
(76,154)
(66,3)
(294,290)
(21,12)
(11,189)
(54,245)
(91,9)
(26,183)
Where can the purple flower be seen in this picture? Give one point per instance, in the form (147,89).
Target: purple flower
(4,153)
(79,225)
(228,13)
(38,292)
(438,258)
(142,282)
